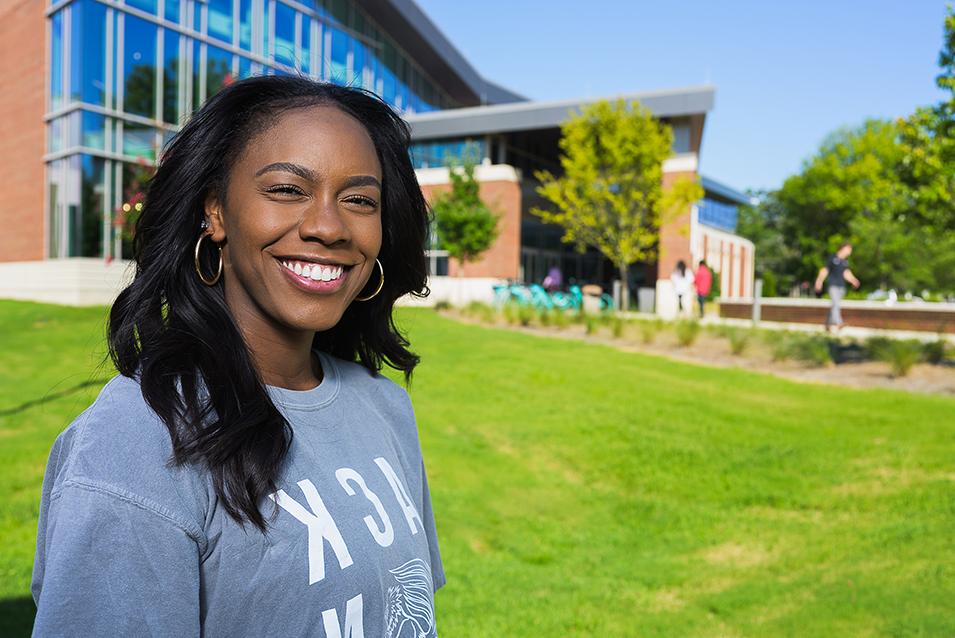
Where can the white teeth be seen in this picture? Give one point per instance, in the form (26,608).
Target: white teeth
(315,272)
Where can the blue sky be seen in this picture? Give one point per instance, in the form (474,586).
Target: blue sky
(786,73)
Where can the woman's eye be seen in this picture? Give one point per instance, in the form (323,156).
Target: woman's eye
(361,200)
(284,189)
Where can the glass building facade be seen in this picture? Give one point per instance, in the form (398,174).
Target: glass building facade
(124,74)
(717,214)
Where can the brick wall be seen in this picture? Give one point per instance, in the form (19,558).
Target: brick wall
(503,258)
(22,105)
(854,313)
(675,234)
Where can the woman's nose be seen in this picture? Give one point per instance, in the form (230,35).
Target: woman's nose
(324,222)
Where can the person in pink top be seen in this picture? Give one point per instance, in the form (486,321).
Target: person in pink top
(703,278)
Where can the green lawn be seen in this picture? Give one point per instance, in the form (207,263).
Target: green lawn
(582,491)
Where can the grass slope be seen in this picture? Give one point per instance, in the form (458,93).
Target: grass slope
(584,491)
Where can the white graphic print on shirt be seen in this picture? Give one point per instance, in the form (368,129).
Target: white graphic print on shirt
(409,603)
(409,606)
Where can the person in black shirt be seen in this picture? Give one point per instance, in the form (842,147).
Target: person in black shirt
(836,273)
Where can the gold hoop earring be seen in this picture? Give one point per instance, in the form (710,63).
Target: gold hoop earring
(381,284)
(208,282)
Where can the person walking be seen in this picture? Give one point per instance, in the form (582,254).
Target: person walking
(703,279)
(836,273)
(682,279)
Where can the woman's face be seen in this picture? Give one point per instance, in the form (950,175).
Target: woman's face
(301,221)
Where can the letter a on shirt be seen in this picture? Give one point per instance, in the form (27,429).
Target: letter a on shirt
(321,527)
(401,494)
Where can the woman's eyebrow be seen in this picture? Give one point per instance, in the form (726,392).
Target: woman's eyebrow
(287,167)
(362,180)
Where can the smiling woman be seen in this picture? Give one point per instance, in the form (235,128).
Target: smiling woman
(249,346)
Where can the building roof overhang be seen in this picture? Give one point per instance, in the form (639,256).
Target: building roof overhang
(711,186)
(414,32)
(528,116)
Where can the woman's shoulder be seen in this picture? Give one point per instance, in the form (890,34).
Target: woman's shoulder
(120,446)
(358,378)
(373,390)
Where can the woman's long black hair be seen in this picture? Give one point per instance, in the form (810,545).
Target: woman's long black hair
(177,335)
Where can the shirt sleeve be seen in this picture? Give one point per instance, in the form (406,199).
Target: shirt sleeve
(437,567)
(111,564)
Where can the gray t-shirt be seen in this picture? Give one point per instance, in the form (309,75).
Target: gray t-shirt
(129,545)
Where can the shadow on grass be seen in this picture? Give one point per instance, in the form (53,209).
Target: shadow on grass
(16,617)
(51,396)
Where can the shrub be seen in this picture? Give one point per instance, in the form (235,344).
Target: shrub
(876,347)
(525,314)
(590,325)
(934,351)
(901,355)
(510,312)
(687,331)
(481,311)
(739,339)
(543,316)
(561,318)
(616,327)
(812,350)
(648,331)
(779,345)
(442,305)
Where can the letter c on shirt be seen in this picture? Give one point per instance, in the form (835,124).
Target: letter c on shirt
(383,536)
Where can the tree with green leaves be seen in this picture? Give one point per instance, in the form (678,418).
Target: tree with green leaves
(928,144)
(466,226)
(889,187)
(610,195)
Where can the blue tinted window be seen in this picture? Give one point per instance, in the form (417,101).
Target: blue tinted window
(359,59)
(93,131)
(139,67)
(245,67)
(266,28)
(218,70)
(88,52)
(56,133)
(170,78)
(388,84)
(197,86)
(197,17)
(149,6)
(305,56)
(284,34)
(172,10)
(245,24)
(339,57)
(139,140)
(56,57)
(220,20)
(717,214)
(85,221)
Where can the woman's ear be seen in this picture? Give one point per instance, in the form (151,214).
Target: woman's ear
(213,212)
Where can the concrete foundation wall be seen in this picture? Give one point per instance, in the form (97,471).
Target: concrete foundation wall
(78,281)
